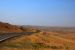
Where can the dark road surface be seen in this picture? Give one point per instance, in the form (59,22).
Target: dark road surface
(11,35)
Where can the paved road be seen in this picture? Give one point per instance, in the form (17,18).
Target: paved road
(11,35)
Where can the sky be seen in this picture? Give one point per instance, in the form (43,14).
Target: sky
(38,12)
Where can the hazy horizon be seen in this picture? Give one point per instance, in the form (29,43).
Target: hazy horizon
(38,12)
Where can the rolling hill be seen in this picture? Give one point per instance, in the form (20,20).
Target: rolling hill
(39,41)
(6,27)
(55,39)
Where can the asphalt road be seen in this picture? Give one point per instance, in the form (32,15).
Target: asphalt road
(11,35)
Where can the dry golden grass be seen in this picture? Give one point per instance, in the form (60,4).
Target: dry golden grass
(59,39)
(39,41)
(28,49)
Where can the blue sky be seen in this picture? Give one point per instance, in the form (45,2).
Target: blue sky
(38,12)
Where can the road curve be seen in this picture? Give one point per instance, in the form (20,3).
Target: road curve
(11,35)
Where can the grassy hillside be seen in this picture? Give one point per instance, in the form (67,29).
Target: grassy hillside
(9,28)
(39,41)
(6,28)
(45,38)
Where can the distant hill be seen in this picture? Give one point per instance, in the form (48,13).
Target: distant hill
(6,27)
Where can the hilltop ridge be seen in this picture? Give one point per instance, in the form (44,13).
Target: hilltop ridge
(6,27)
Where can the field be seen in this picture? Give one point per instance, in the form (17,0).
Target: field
(56,38)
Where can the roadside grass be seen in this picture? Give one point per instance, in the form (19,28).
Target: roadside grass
(12,46)
(36,42)
(27,43)
(33,45)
